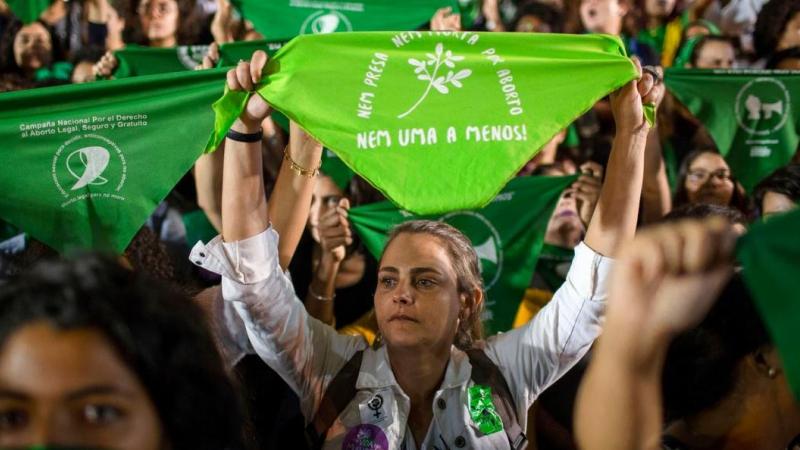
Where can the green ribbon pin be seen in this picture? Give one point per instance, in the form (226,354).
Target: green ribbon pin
(482,410)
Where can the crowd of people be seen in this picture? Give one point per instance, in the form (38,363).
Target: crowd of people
(281,330)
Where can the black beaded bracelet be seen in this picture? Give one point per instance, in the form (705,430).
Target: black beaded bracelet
(245,137)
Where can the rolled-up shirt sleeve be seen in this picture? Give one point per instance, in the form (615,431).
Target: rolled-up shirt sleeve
(305,352)
(535,355)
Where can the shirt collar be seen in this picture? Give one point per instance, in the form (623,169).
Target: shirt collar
(376,370)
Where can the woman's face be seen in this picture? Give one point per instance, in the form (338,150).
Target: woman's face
(775,203)
(326,195)
(716,55)
(159,20)
(791,34)
(709,180)
(71,388)
(33,47)
(417,302)
(565,228)
(659,8)
(602,16)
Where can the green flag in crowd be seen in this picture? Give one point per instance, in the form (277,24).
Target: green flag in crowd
(231,53)
(136,60)
(28,11)
(769,254)
(333,167)
(507,236)
(85,165)
(750,114)
(436,121)
(280,20)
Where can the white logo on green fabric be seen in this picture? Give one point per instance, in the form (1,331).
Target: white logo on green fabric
(762,105)
(436,60)
(324,22)
(191,55)
(89,166)
(485,240)
(92,161)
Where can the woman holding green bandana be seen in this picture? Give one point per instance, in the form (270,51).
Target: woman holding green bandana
(432,380)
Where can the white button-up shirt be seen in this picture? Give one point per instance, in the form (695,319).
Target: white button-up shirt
(308,354)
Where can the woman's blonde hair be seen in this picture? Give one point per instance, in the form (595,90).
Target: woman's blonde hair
(465,264)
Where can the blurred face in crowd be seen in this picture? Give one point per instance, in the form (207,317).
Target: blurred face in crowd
(776,203)
(791,34)
(71,388)
(159,19)
(532,24)
(709,180)
(417,301)
(715,55)
(659,8)
(565,228)
(603,16)
(326,195)
(33,47)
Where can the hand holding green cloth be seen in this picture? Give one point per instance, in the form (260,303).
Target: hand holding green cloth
(751,115)
(507,235)
(437,121)
(28,11)
(85,165)
(282,20)
(770,256)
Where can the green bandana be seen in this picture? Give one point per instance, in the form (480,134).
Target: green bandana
(85,165)
(28,10)
(436,121)
(230,54)
(135,60)
(770,257)
(553,265)
(749,113)
(482,410)
(281,20)
(507,236)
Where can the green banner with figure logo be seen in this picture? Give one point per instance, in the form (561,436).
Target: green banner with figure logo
(85,165)
(437,121)
(284,19)
(507,235)
(750,114)
(770,257)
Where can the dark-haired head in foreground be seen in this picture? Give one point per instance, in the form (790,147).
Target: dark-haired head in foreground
(724,381)
(95,356)
(779,192)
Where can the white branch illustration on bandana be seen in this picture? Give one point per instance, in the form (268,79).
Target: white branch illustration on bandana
(441,57)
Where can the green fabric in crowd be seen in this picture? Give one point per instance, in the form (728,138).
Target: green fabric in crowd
(751,115)
(507,234)
(281,20)
(770,257)
(92,161)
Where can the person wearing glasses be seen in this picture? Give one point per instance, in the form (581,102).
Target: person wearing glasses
(705,177)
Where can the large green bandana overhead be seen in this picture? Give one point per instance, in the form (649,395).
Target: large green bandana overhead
(85,165)
(750,114)
(436,121)
(285,19)
(770,256)
(507,235)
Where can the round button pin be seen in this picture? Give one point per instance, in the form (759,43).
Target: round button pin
(441,403)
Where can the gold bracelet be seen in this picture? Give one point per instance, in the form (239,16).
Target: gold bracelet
(308,173)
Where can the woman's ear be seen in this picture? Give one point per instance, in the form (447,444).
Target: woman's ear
(767,362)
